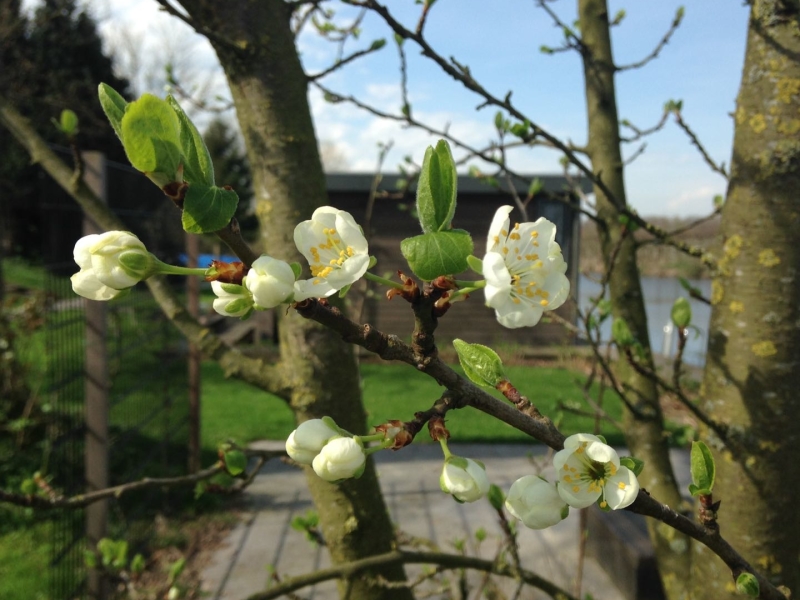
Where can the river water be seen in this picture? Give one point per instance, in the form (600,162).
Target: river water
(659,295)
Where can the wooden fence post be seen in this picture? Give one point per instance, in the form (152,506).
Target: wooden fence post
(96,400)
(193,305)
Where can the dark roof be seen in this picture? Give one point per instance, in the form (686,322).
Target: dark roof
(361,182)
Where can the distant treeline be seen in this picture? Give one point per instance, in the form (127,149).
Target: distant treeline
(655,259)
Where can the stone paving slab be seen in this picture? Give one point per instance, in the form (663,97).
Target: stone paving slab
(410,482)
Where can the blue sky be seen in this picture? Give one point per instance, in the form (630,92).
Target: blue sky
(500,42)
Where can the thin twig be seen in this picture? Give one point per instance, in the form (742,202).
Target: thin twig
(676,22)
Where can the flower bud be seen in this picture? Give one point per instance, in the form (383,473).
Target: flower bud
(271,282)
(464,479)
(340,458)
(109,263)
(536,502)
(232,300)
(307,440)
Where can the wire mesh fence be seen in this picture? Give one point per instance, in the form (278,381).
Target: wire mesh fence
(144,367)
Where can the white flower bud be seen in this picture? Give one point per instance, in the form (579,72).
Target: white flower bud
(232,300)
(464,478)
(536,502)
(340,458)
(109,263)
(308,439)
(271,281)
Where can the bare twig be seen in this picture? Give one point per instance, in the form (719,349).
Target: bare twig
(676,22)
(342,62)
(717,168)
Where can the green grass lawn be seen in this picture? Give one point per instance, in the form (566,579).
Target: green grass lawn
(232,409)
(24,555)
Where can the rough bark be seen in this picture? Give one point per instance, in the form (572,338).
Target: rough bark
(644,428)
(256,48)
(753,363)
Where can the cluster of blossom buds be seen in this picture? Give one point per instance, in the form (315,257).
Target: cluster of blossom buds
(589,471)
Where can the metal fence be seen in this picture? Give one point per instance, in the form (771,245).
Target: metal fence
(116,384)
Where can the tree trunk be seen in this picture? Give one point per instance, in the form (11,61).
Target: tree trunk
(256,48)
(752,371)
(644,428)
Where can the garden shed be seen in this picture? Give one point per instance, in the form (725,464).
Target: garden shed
(391,219)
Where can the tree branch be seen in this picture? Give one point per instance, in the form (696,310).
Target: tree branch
(448,561)
(676,22)
(340,63)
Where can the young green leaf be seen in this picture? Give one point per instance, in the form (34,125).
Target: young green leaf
(113,105)
(496,497)
(235,462)
(634,464)
(481,364)
(197,166)
(441,253)
(68,122)
(702,469)
(621,333)
(436,189)
(151,134)
(207,209)
(681,313)
(747,584)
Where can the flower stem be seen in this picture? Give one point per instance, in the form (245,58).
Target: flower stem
(163,268)
(445,449)
(471,285)
(383,281)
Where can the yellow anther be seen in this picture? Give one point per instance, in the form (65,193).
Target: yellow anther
(576,489)
(534,234)
(543,302)
(514,236)
(621,485)
(516,300)
(505,250)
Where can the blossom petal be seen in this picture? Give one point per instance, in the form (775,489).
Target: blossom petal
(621,489)
(500,223)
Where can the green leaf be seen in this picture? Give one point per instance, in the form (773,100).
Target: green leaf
(235,462)
(113,105)
(378,44)
(176,569)
(68,123)
(441,253)
(747,584)
(436,189)
(138,563)
(90,559)
(702,469)
(496,497)
(535,187)
(207,209)
(197,165)
(480,363)
(151,134)
(621,333)
(681,313)
(634,464)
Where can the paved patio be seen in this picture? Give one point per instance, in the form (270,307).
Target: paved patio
(265,540)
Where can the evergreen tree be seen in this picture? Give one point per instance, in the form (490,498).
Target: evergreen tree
(48,63)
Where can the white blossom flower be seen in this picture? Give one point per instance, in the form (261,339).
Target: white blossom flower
(335,249)
(340,458)
(231,300)
(524,270)
(464,479)
(110,263)
(305,442)
(536,502)
(589,470)
(271,281)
